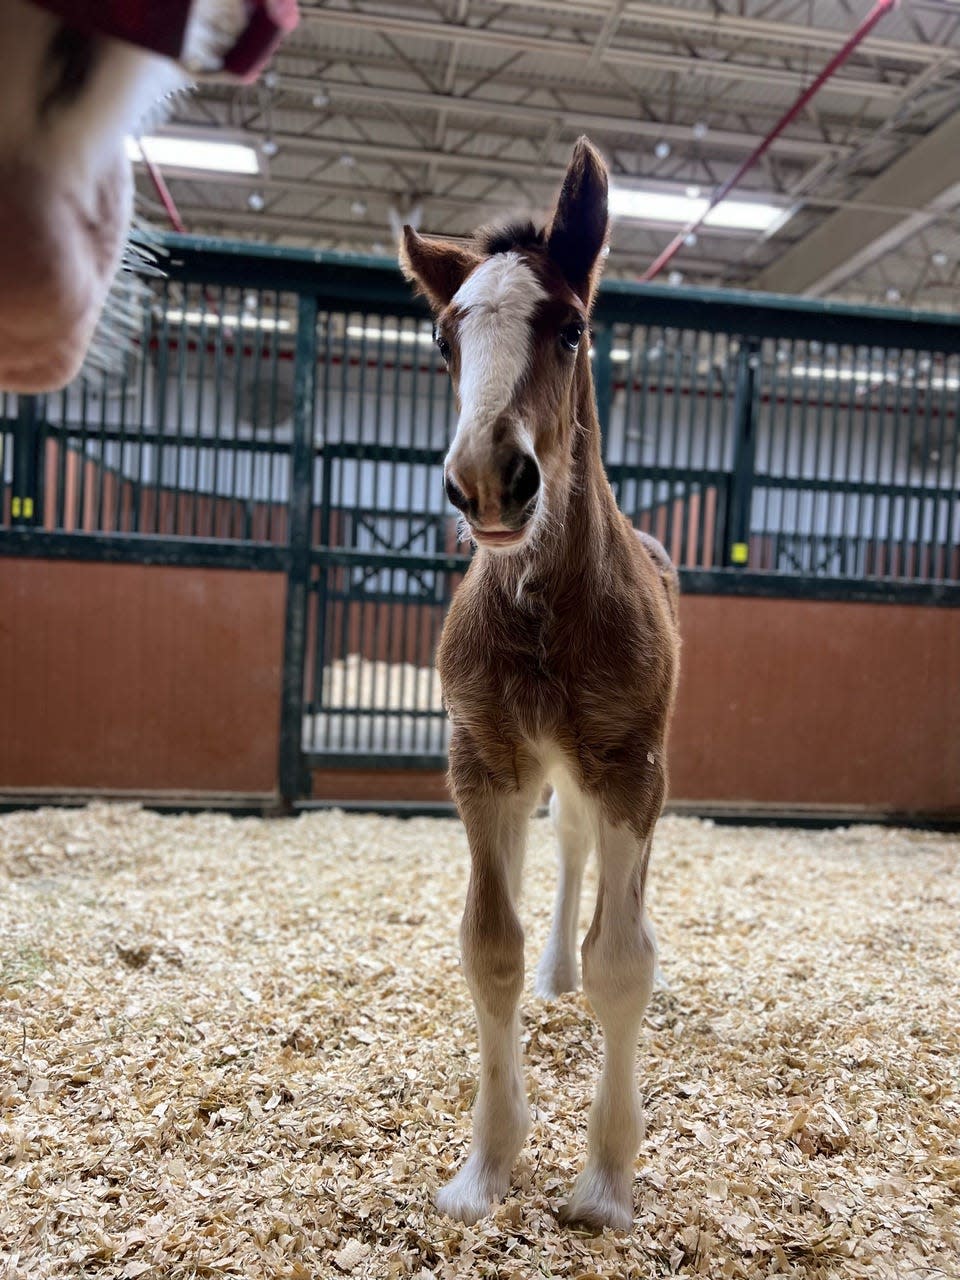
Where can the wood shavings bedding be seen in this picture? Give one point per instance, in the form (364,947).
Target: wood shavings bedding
(243,1048)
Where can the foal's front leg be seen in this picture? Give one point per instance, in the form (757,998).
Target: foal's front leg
(492,948)
(619,960)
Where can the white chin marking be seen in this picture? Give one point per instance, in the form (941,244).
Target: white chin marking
(497,302)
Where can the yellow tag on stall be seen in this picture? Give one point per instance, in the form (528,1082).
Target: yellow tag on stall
(739,553)
(15,508)
(28,508)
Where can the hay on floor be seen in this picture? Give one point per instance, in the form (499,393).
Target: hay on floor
(238,1048)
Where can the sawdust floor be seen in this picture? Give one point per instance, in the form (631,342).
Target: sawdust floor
(238,1048)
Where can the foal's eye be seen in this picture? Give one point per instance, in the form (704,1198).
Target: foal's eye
(570,335)
(443,346)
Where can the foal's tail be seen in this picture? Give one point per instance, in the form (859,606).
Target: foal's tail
(668,574)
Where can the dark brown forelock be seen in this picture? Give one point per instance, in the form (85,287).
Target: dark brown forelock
(525,238)
(510,237)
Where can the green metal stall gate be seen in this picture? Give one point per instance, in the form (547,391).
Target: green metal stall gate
(288,411)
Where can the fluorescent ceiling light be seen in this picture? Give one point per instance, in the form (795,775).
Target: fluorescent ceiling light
(376,334)
(874,377)
(665,206)
(195,153)
(812,371)
(211,320)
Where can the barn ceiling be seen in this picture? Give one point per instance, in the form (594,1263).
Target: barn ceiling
(461,111)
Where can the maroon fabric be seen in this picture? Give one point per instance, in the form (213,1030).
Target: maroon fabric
(157,26)
(269,22)
(160,25)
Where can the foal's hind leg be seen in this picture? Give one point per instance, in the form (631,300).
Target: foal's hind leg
(557,970)
(492,948)
(619,959)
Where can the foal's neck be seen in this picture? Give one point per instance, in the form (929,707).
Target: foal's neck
(573,552)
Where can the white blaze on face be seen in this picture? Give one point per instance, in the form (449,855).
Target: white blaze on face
(496,302)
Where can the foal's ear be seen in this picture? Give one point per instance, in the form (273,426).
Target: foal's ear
(578,231)
(436,267)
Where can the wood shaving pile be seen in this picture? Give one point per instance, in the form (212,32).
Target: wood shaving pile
(243,1048)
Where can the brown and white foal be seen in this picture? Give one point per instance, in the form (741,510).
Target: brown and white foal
(558,662)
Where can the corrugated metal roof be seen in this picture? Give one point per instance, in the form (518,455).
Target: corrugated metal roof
(385,106)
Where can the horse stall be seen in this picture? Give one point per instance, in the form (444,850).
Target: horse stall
(234,1035)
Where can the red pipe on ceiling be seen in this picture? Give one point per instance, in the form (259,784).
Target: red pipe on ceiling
(879,10)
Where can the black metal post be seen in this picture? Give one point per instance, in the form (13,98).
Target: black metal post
(28,436)
(737,549)
(294,776)
(603,377)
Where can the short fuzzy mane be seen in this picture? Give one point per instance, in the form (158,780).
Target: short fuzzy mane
(513,235)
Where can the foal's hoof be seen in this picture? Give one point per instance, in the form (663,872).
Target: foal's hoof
(472,1193)
(600,1199)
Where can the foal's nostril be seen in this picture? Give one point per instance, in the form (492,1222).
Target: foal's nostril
(454,493)
(523,480)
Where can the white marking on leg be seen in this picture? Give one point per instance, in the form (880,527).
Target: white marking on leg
(557,970)
(618,965)
(492,939)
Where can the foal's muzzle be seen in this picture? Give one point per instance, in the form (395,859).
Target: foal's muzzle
(498,504)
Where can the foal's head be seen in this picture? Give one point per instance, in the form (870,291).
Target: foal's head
(511,316)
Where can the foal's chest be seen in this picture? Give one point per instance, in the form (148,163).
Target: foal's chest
(534,671)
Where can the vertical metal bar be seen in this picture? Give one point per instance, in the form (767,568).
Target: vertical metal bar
(630,380)
(831,478)
(136,487)
(953,492)
(344,576)
(811,564)
(688,489)
(727,452)
(198,450)
(122,447)
(272,495)
(183,343)
(293,776)
(603,375)
(393,505)
(917,560)
(656,498)
(892,478)
(160,426)
(705,453)
(762,469)
(25,505)
(62,458)
(219,359)
(670,513)
(82,455)
(875,530)
(234,504)
(938,566)
(102,460)
(645,487)
(744,424)
(908,497)
(860,555)
(323,569)
(871,560)
(790,525)
(933,498)
(257,412)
